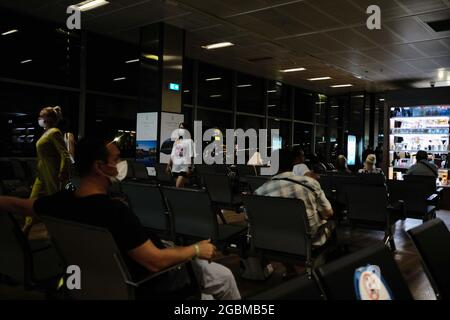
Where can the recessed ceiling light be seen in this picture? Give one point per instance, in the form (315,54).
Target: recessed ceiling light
(358,96)
(186,91)
(215,96)
(334,106)
(320,102)
(26,61)
(132,61)
(90,4)
(293,70)
(271,91)
(381,99)
(9,32)
(218,45)
(244,85)
(342,85)
(119,79)
(213,79)
(271,105)
(320,78)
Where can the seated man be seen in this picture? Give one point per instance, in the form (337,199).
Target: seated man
(288,185)
(423,167)
(300,168)
(99,165)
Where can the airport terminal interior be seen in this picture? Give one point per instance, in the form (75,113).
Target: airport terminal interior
(207,149)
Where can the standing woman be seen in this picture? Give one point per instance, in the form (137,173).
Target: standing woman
(53,162)
(182,156)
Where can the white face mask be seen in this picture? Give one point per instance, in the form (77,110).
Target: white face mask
(42,123)
(122,169)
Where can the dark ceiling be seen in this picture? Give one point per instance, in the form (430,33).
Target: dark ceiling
(327,37)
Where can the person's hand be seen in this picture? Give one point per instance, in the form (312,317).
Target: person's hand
(168,169)
(207,250)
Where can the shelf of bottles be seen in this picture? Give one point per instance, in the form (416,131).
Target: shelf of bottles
(418,128)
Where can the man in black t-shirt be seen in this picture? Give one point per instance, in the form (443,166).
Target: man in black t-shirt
(99,165)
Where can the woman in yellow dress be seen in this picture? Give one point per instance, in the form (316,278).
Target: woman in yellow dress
(53,161)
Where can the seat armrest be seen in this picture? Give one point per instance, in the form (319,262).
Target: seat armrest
(154,275)
(432,197)
(397,206)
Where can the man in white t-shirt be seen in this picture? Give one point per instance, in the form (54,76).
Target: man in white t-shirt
(181,158)
(300,169)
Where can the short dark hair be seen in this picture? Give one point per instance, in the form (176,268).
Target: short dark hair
(297,151)
(87,152)
(286,160)
(185,126)
(421,155)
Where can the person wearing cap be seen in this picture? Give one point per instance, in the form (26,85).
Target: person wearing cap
(369,166)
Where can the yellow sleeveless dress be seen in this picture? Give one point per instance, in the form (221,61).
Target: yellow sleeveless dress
(52,159)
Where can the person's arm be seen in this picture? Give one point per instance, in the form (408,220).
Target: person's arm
(64,167)
(17,206)
(71,141)
(326,213)
(155,259)
(324,207)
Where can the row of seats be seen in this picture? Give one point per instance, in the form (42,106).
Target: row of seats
(17,177)
(336,280)
(105,276)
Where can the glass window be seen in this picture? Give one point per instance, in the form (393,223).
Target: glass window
(188,115)
(303,136)
(214,87)
(214,119)
(335,144)
(187,80)
(321,107)
(335,111)
(303,106)
(38,51)
(250,94)
(284,128)
(356,114)
(113,65)
(321,140)
(19,129)
(279,100)
(109,117)
(246,122)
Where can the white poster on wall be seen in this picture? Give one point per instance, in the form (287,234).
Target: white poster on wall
(351,150)
(169,122)
(147,140)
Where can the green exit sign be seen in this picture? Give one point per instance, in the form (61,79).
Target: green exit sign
(174,86)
